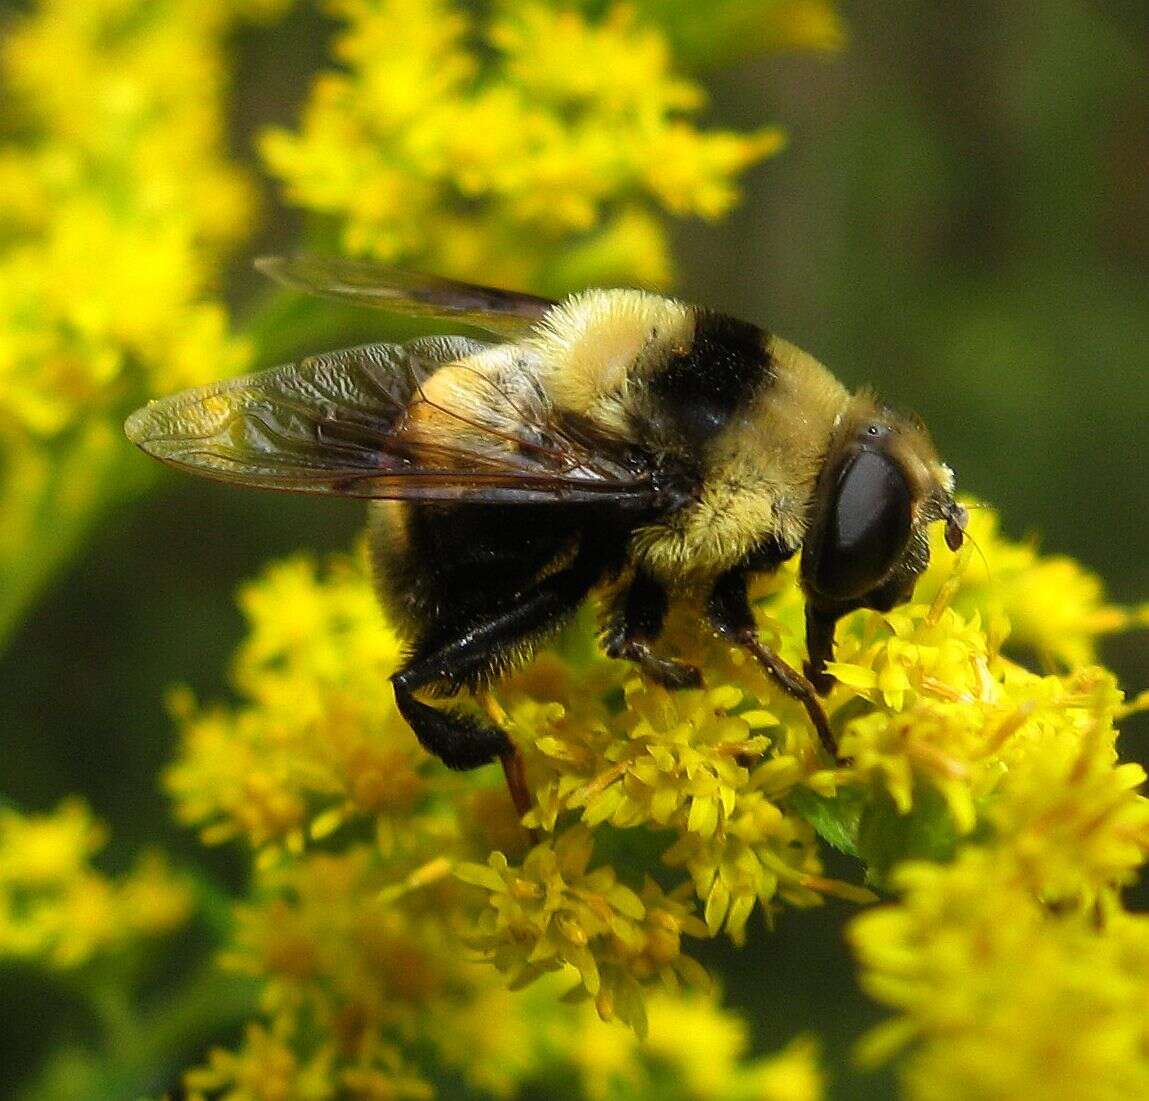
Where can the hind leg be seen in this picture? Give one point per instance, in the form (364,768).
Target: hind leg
(472,654)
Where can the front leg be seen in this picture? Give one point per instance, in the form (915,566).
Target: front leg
(635,623)
(730,613)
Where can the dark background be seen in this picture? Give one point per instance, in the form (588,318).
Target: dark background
(961,218)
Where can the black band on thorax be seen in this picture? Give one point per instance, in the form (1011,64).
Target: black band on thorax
(699,390)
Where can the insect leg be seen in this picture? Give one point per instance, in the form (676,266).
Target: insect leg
(729,611)
(463,742)
(477,652)
(636,622)
(459,740)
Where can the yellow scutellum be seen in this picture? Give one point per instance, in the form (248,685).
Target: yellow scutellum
(542,158)
(56,908)
(999,995)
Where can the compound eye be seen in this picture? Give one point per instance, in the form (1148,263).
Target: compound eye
(867,529)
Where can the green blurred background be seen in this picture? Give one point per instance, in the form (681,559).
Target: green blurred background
(961,218)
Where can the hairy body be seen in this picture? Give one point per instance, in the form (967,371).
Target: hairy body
(617,441)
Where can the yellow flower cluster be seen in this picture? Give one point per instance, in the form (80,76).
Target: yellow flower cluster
(710,767)
(534,148)
(366,929)
(665,815)
(363,961)
(116,205)
(1014,969)
(56,908)
(945,711)
(1001,995)
(1054,607)
(551,912)
(320,740)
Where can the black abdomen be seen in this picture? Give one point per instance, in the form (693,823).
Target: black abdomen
(445,569)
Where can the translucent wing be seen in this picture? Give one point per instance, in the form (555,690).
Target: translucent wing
(359,423)
(506,313)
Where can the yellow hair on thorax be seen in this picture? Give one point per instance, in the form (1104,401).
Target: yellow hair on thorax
(592,345)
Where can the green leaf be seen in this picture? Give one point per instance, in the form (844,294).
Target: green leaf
(886,838)
(835,820)
(726,31)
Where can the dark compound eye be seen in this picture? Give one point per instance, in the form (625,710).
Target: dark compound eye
(867,529)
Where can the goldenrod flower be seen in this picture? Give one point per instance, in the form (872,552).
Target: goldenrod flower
(321,741)
(706,1049)
(551,912)
(560,139)
(1054,606)
(1001,996)
(56,907)
(117,204)
(943,739)
(362,956)
(400,921)
(266,1068)
(694,1050)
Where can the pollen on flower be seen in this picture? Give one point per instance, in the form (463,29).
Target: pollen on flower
(724,791)
(1055,607)
(551,912)
(707,768)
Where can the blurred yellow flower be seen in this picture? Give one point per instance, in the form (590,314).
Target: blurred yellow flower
(320,741)
(117,204)
(694,1050)
(1001,996)
(1055,607)
(361,960)
(517,160)
(57,908)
